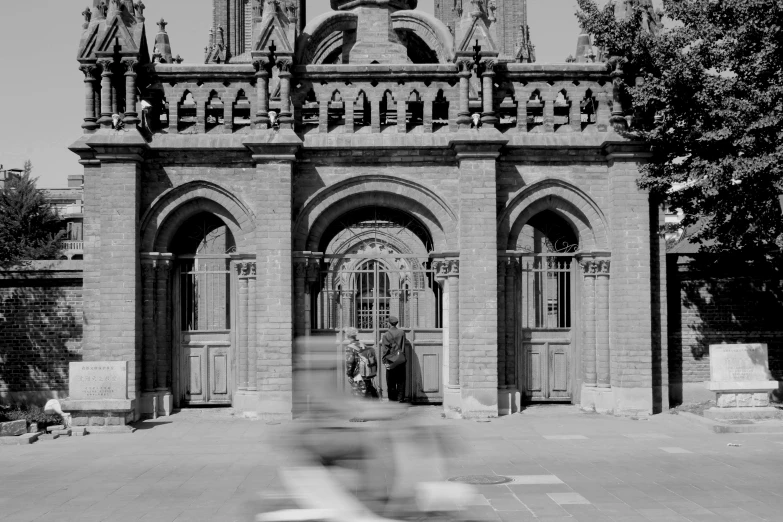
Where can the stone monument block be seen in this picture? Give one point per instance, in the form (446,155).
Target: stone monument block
(739,375)
(95,381)
(98,394)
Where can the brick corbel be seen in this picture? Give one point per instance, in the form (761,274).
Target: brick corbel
(118,146)
(273,147)
(485,144)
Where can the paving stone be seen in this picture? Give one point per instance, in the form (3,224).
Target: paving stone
(647,436)
(568,498)
(565,437)
(675,450)
(535,479)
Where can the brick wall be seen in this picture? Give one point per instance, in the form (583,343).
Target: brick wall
(713,301)
(40,329)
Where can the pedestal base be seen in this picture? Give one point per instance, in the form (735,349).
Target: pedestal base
(479,403)
(452,402)
(156,404)
(509,401)
(599,400)
(101,413)
(742,413)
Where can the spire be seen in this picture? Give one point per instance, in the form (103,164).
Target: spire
(584,48)
(162,51)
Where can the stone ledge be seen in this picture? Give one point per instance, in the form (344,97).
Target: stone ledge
(26,438)
(109,430)
(761,412)
(728,386)
(109,405)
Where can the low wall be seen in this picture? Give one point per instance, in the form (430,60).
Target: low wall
(40,329)
(714,301)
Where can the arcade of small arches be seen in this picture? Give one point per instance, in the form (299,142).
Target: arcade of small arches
(361,256)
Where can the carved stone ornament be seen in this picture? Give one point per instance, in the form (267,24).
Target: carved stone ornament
(454,267)
(488,66)
(163,267)
(87,13)
(102,9)
(162,25)
(139,7)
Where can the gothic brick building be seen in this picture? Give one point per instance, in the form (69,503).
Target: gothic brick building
(375,161)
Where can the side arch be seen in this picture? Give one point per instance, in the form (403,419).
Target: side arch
(569,202)
(432,31)
(329,204)
(175,206)
(315,40)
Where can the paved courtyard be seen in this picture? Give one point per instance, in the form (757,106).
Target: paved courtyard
(208,465)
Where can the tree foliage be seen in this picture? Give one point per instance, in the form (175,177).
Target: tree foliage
(29,226)
(711,88)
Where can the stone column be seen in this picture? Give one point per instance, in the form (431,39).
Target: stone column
(501,289)
(286,117)
(549,96)
(252,330)
(90,120)
(242,287)
(375,115)
(120,275)
(350,104)
(402,111)
(272,198)
(488,117)
(163,325)
(346,301)
(149,339)
(589,323)
(300,275)
(575,112)
(106,92)
(131,116)
(463,117)
(478,314)
(602,323)
(511,319)
(618,120)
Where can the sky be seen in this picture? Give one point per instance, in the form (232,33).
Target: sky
(42,88)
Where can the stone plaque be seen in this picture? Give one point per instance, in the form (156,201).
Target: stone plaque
(739,363)
(98,380)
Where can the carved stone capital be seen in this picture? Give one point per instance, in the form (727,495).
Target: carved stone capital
(261,65)
(106,65)
(300,269)
(454,267)
(488,66)
(465,65)
(284,65)
(130,66)
(89,72)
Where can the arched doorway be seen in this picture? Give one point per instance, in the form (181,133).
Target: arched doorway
(204,311)
(543,308)
(373,263)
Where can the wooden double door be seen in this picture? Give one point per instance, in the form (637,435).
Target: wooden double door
(204,330)
(546,337)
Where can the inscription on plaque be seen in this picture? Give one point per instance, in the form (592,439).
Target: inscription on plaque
(739,363)
(98,380)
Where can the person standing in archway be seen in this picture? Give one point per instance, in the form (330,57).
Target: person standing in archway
(361,366)
(393,359)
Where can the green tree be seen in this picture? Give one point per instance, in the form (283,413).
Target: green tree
(709,88)
(29,226)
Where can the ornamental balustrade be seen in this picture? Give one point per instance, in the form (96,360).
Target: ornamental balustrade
(230,99)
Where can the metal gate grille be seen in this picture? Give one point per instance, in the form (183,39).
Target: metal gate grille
(354,291)
(205,294)
(546,291)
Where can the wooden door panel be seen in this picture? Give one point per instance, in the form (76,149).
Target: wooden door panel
(534,377)
(194,371)
(559,371)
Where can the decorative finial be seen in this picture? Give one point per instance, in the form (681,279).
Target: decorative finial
(102,8)
(87,13)
(139,7)
(162,25)
(179,59)
(118,4)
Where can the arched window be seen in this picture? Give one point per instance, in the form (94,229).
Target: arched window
(373,296)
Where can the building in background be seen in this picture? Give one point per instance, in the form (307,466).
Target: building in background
(69,205)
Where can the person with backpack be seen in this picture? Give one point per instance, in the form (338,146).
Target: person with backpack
(361,366)
(393,359)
